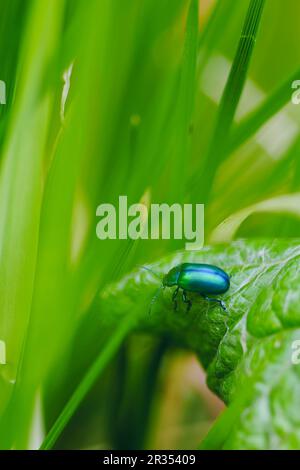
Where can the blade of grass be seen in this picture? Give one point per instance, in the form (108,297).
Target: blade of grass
(82,144)
(185,102)
(285,203)
(219,432)
(215,29)
(187,85)
(11,26)
(267,180)
(230,99)
(21,184)
(86,384)
(252,123)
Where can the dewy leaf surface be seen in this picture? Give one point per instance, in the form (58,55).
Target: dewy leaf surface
(247,351)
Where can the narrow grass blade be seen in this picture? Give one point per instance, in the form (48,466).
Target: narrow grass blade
(93,373)
(230,98)
(187,88)
(215,29)
(21,182)
(185,102)
(263,113)
(218,434)
(284,204)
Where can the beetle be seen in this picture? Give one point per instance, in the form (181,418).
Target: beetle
(207,280)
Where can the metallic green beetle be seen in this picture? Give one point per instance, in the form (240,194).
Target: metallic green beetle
(204,279)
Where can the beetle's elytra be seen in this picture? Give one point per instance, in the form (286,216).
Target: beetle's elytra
(205,279)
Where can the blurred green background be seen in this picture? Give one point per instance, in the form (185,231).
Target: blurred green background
(113,97)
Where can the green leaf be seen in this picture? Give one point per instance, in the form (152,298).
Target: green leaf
(247,351)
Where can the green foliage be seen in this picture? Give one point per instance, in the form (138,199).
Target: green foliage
(246,351)
(134,98)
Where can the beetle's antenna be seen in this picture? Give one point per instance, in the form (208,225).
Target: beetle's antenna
(155,297)
(152,272)
(160,277)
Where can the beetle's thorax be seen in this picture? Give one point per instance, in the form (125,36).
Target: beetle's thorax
(171,278)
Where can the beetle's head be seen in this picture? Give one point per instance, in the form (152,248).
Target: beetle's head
(171,279)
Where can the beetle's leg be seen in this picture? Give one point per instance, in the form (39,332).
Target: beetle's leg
(218,301)
(175,293)
(186,301)
(223,305)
